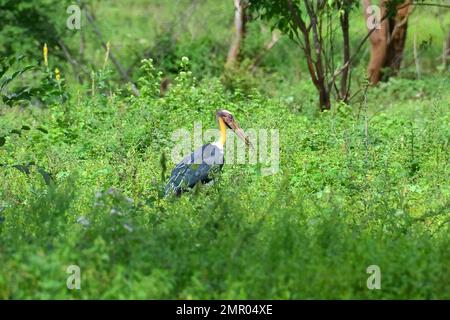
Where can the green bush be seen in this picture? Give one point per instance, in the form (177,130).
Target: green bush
(357,186)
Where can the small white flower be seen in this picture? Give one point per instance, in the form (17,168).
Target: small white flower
(114,211)
(83,221)
(129,200)
(128,227)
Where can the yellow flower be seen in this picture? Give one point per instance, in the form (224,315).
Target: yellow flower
(45,55)
(57,75)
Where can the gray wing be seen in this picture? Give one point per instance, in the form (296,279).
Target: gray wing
(200,166)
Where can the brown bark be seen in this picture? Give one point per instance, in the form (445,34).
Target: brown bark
(315,67)
(123,73)
(239,25)
(306,46)
(345,26)
(378,43)
(396,44)
(325,102)
(387,42)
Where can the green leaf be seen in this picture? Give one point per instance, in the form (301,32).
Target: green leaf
(16,74)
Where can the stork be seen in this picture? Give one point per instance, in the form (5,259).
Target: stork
(206,162)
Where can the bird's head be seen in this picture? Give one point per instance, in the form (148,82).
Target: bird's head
(228,119)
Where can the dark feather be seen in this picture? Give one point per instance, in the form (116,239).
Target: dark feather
(199,166)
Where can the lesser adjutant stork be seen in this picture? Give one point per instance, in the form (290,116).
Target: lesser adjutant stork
(203,164)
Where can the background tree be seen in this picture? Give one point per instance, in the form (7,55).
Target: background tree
(311,25)
(387,37)
(34,22)
(240,21)
(446,52)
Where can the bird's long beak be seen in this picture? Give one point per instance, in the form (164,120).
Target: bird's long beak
(239,132)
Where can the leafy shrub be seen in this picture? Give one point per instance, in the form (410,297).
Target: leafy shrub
(344,198)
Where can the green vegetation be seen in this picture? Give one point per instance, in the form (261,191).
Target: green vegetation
(83,168)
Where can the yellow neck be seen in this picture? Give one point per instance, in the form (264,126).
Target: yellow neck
(223,132)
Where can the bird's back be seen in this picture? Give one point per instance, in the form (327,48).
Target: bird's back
(199,166)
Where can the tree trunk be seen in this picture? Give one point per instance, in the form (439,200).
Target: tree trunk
(378,42)
(346,39)
(239,24)
(324,96)
(396,44)
(387,42)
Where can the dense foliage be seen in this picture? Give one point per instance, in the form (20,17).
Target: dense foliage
(83,170)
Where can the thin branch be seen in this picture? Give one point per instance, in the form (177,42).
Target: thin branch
(265,50)
(114,60)
(307,46)
(358,48)
(77,67)
(429,5)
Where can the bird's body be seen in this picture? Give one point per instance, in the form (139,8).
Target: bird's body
(203,165)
